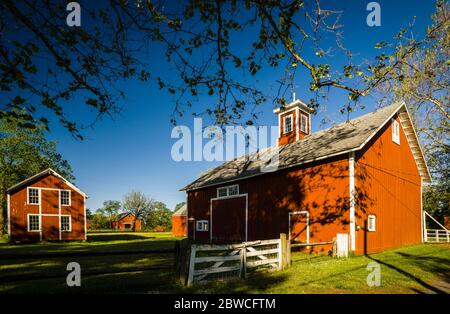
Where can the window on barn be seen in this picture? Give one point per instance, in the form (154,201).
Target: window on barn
(304,123)
(287,124)
(371,223)
(396,132)
(233,190)
(34,223)
(202,225)
(64,196)
(228,191)
(222,192)
(33,196)
(66,223)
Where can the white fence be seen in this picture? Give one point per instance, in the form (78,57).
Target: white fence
(236,260)
(437,235)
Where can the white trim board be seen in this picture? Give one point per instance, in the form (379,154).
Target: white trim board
(303,212)
(351,182)
(47,171)
(85,219)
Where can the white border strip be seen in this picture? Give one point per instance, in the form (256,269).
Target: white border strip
(351,174)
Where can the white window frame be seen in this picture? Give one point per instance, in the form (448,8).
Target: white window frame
(70,223)
(202,225)
(291,116)
(304,118)
(28,195)
(28,222)
(395,131)
(370,227)
(70,197)
(227,188)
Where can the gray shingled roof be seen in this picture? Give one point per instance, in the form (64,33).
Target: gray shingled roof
(121,216)
(343,137)
(182,211)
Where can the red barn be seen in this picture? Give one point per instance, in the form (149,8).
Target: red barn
(46,207)
(362,178)
(179,222)
(125,221)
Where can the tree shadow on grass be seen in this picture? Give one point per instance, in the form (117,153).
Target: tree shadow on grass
(141,282)
(254,283)
(138,282)
(117,237)
(429,264)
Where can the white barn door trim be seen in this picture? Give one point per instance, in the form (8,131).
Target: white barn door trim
(303,212)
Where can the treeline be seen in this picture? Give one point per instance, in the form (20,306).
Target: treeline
(154,215)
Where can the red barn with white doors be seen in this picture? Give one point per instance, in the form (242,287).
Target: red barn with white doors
(362,178)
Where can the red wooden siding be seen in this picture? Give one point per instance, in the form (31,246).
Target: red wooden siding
(125,222)
(230,210)
(179,225)
(291,136)
(322,188)
(387,178)
(296,123)
(49,205)
(299,228)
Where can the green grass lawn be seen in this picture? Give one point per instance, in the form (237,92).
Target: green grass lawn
(413,269)
(104,241)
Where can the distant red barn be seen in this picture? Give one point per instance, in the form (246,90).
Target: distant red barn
(362,178)
(179,222)
(125,221)
(46,207)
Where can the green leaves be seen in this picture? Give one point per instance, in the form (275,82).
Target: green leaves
(348,71)
(380,45)
(254,67)
(25,150)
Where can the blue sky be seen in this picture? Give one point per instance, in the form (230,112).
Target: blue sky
(132,151)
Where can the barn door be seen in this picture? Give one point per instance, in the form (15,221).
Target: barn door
(49,202)
(229,220)
(50,228)
(299,226)
(50,211)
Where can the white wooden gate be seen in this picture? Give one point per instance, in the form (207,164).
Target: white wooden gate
(222,261)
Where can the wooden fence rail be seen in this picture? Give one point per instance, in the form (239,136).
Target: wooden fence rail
(208,261)
(437,235)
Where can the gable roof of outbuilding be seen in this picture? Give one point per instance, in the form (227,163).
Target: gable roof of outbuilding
(342,138)
(182,211)
(48,171)
(121,216)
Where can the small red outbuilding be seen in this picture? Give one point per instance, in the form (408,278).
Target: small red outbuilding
(179,222)
(125,221)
